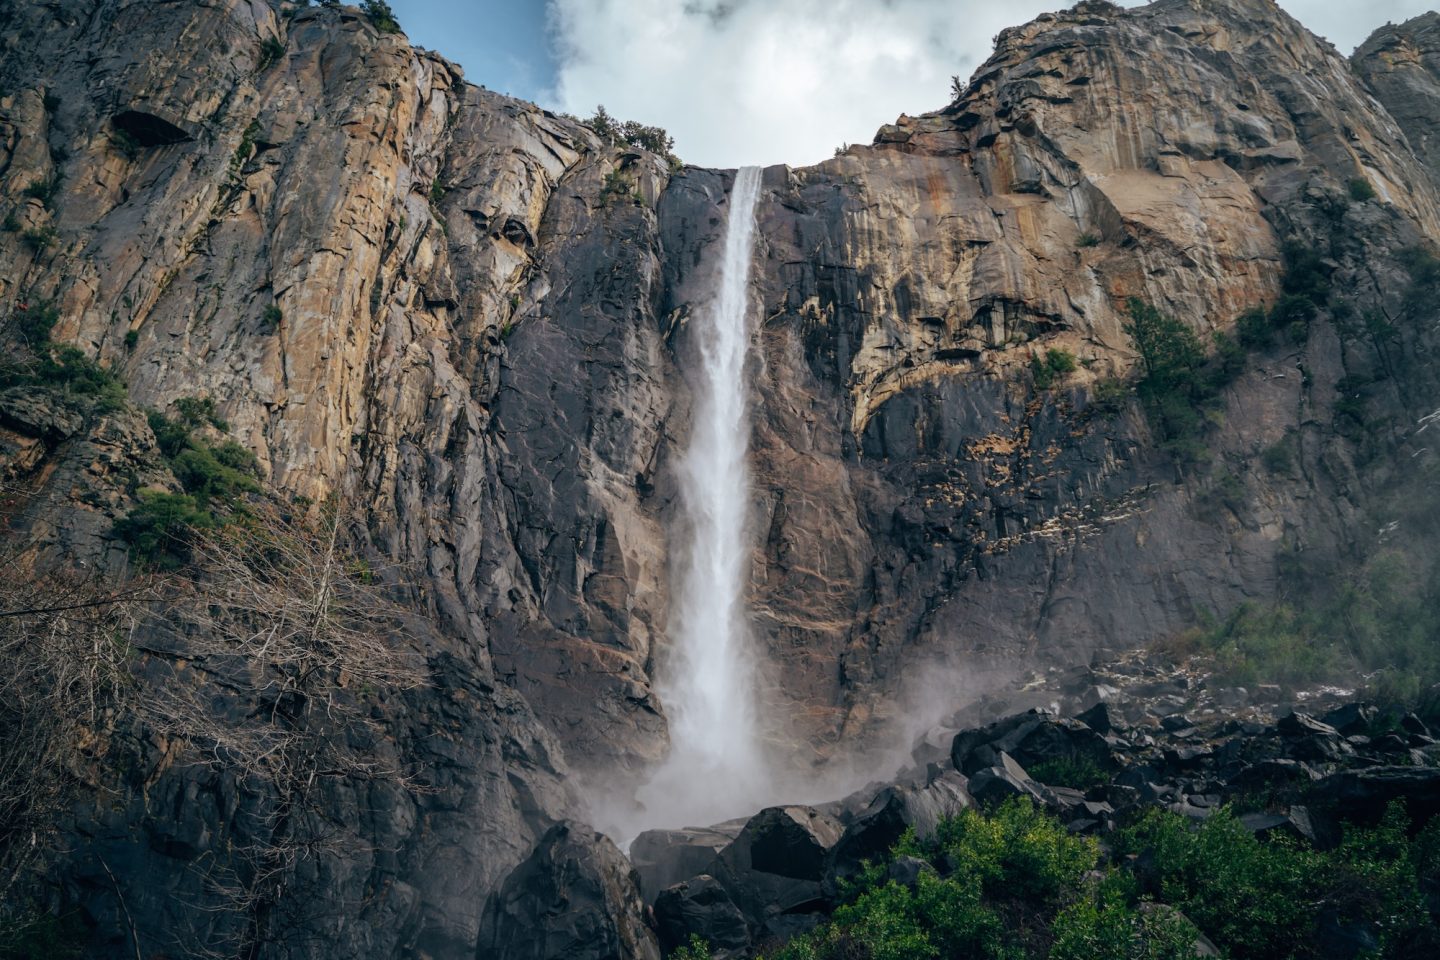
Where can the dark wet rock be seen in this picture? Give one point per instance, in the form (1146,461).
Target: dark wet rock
(701,907)
(1267,772)
(906,871)
(1351,718)
(775,869)
(1363,795)
(1176,722)
(992,785)
(1097,718)
(575,898)
(1304,725)
(894,810)
(1029,739)
(666,857)
(1295,823)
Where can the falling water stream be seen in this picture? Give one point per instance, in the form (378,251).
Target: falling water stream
(715,768)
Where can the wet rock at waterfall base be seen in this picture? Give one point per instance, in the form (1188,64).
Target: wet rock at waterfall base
(701,907)
(666,857)
(871,833)
(575,898)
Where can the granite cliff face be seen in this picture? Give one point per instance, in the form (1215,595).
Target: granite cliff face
(433,303)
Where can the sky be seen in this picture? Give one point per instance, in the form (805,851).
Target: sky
(760,81)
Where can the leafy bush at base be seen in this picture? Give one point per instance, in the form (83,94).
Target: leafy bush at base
(997,882)
(1105,923)
(1268,899)
(1015,885)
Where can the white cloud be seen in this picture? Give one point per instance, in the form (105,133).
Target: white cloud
(768,81)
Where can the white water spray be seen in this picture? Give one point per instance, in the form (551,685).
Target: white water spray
(716,767)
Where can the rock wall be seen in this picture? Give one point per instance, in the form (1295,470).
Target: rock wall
(467,318)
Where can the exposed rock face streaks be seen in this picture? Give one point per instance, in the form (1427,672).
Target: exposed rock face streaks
(469,317)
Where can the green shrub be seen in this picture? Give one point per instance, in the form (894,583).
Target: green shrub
(1056,363)
(1107,923)
(630,133)
(132,337)
(1016,851)
(1087,240)
(1109,396)
(11,224)
(208,478)
(44,189)
(1251,898)
(75,374)
(1266,899)
(615,187)
(1361,190)
(40,239)
(378,12)
(160,528)
(696,949)
(171,436)
(271,50)
(33,321)
(271,316)
(1078,773)
(197,411)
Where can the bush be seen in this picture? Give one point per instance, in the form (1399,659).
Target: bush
(40,239)
(1078,773)
(33,321)
(1266,899)
(132,337)
(1087,240)
(1361,190)
(198,411)
(44,189)
(1106,923)
(1054,365)
(271,50)
(378,12)
(160,529)
(696,949)
(270,317)
(1109,396)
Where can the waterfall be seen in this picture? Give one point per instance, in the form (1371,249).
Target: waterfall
(715,767)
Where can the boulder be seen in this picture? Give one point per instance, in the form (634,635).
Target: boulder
(1362,795)
(1097,718)
(1351,718)
(701,907)
(875,830)
(575,898)
(775,869)
(666,857)
(1030,738)
(1006,779)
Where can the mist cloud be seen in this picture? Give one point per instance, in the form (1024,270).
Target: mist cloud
(768,81)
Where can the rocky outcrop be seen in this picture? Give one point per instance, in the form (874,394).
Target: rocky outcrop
(575,898)
(1400,64)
